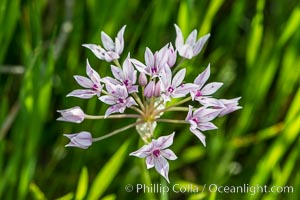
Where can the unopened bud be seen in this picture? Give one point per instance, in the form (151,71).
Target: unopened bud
(149,89)
(142,79)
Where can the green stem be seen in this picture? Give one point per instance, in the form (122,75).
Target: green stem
(115,132)
(137,110)
(172,106)
(138,100)
(111,116)
(175,121)
(179,109)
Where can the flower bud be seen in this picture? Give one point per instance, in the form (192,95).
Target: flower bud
(75,115)
(142,79)
(82,140)
(149,89)
(172,56)
(157,89)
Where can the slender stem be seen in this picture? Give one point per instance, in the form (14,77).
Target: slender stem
(111,116)
(137,110)
(172,106)
(176,121)
(179,109)
(116,132)
(137,98)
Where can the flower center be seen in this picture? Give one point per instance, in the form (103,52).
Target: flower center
(120,100)
(154,70)
(195,120)
(126,82)
(170,89)
(95,87)
(198,94)
(156,152)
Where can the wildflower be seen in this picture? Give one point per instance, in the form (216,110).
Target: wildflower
(112,49)
(201,92)
(126,75)
(200,119)
(190,48)
(174,87)
(82,140)
(156,154)
(230,105)
(92,84)
(118,98)
(74,114)
(155,63)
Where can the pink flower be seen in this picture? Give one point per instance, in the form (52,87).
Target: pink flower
(112,49)
(82,140)
(201,92)
(230,105)
(118,99)
(126,75)
(200,119)
(92,84)
(155,63)
(174,87)
(191,47)
(156,154)
(74,114)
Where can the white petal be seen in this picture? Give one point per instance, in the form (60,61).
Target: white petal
(179,37)
(112,109)
(150,162)
(130,102)
(200,43)
(191,40)
(189,115)
(107,42)
(165,141)
(149,58)
(162,167)
(178,78)
(120,38)
(143,152)
(97,50)
(211,88)
(186,88)
(139,66)
(207,126)
(199,135)
(108,99)
(94,76)
(201,79)
(169,154)
(117,72)
(83,81)
(84,94)
(206,114)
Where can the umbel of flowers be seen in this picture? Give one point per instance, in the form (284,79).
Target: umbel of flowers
(148,88)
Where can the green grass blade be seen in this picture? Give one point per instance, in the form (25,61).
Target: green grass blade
(107,174)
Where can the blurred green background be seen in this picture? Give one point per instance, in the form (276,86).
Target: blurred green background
(254,49)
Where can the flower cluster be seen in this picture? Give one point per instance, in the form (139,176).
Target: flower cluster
(148,89)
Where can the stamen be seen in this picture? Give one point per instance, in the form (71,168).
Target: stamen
(170,89)
(156,152)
